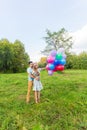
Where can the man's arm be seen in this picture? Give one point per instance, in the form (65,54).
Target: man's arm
(31,75)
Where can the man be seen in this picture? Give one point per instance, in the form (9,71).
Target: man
(30,80)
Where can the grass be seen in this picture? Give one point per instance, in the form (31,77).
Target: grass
(63,102)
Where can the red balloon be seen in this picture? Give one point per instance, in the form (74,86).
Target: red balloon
(60,67)
(55,69)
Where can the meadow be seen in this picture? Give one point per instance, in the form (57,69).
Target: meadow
(63,103)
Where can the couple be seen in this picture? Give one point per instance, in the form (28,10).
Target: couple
(34,80)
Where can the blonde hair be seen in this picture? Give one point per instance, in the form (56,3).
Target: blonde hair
(34,65)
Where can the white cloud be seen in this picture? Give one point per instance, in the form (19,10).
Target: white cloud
(35,56)
(34,51)
(80,40)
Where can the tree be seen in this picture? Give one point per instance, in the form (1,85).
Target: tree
(13,57)
(42,62)
(77,61)
(21,58)
(57,40)
(82,60)
(6,55)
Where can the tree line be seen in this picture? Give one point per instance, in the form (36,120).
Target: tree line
(13,57)
(77,61)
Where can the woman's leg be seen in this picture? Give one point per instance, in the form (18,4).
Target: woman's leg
(35,95)
(38,93)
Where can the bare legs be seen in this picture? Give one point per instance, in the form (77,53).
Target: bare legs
(37,96)
(38,93)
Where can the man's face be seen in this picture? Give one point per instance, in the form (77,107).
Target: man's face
(31,65)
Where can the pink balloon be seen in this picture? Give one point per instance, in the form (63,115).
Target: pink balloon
(50,59)
(47,67)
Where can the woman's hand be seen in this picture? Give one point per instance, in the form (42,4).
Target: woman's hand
(37,78)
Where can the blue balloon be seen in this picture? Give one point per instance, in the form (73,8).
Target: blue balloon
(51,66)
(63,62)
(57,62)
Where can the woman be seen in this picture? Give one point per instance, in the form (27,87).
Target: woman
(37,85)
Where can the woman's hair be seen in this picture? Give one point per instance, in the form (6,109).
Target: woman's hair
(34,66)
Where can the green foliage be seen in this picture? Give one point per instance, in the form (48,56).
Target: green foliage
(5,55)
(41,65)
(63,103)
(56,40)
(13,57)
(77,61)
(43,61)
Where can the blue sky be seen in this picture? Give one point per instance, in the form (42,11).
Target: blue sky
(27,20)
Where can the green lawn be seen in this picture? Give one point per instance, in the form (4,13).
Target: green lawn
(63,102)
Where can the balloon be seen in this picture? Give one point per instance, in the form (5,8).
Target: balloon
(64,56)
(50,59)
(47,67)
(60,67)
(63,62)
(57,62)
(55,69)
(53,53)
(50,72)
(58,56)
(51,66)
(60,50)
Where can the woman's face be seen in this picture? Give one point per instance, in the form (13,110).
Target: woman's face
(35,66)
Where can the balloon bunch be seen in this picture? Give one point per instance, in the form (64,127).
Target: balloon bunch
(56,61)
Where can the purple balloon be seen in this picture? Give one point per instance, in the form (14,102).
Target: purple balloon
(53,53)
(50,72)
(64,56)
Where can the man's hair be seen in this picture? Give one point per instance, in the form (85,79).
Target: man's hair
(30,62)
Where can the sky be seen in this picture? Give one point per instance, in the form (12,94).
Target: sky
(27,21)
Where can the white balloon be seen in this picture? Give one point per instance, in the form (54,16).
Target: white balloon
(60,50)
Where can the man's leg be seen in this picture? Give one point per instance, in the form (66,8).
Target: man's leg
(30,83)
